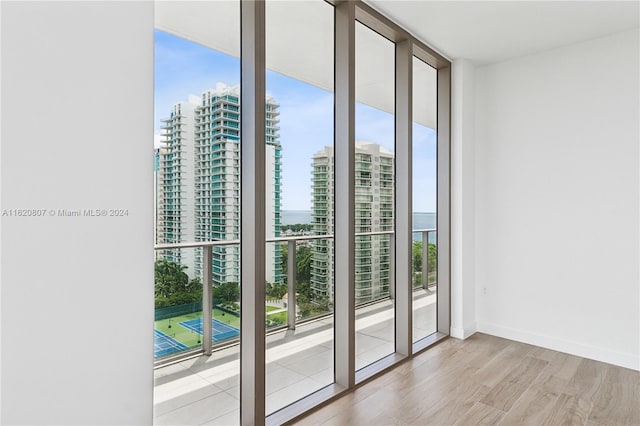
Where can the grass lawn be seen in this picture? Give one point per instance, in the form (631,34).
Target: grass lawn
(188,337)
(172,328)
(282,316)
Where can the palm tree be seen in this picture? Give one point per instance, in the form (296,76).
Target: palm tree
(170,278)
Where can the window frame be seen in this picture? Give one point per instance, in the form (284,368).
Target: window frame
(252,220)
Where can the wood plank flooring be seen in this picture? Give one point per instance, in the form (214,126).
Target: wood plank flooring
(486,380)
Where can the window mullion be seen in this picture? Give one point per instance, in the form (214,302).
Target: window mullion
(252,225)
(344,169)
(403,192)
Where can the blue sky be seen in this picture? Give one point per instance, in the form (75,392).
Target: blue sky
(183,68)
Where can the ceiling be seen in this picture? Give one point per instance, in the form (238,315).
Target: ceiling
(299,36)
(493,31)
(299,44)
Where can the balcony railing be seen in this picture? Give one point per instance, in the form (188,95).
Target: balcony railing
(207,253)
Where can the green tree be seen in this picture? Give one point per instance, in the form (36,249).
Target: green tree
(298,227)
(417,256)
(310,303)
(226,293)
(170,279)
(284,259)
(275,290)
(303,264)
(304,292)
(173,286)
(433,257)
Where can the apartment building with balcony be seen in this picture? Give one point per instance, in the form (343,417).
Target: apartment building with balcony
(199,189)
(156,187)
(374,188)
(175,208)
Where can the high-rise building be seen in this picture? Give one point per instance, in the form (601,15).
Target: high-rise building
(157,153)
(176,177)
(374,185)
(207,181)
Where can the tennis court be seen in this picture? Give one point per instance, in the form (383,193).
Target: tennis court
(221,331)
(165,345)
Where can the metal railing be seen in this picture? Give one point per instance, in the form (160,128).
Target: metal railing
(207,300)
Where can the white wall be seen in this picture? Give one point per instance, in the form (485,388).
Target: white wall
(557,189)
(463,305)
(77,292)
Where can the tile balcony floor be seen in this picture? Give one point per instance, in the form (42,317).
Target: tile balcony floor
(205,390)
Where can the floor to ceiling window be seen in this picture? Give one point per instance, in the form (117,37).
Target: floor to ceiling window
(374,195)
(299,243)
(197,110)
(299,200)
(424,155)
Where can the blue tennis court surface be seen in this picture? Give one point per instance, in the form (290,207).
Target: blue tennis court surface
(165,345)
(221,331)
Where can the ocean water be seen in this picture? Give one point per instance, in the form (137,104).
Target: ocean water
(420,221)
(294,217)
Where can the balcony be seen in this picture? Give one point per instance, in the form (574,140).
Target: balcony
(205,389)
(200,389)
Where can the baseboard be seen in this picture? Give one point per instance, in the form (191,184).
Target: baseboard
(621,359)
(463,333)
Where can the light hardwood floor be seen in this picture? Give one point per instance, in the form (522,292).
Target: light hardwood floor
(489,380)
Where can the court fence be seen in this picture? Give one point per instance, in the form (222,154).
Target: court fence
(174,311)
(188,308)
